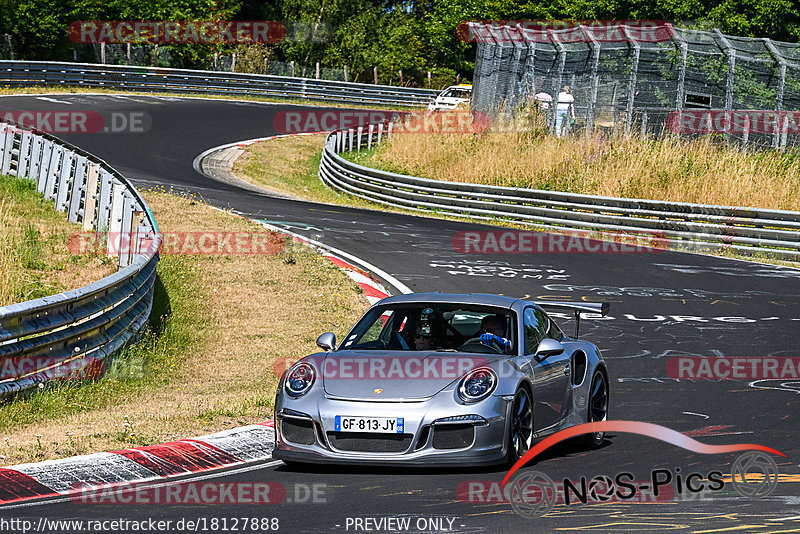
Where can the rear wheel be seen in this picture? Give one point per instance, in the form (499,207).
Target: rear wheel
(597,408)
(521,427)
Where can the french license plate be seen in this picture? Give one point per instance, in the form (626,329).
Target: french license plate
(381,425)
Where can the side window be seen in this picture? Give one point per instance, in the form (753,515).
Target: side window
(548,327)
(534,329)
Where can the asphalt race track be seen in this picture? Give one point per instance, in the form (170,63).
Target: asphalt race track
(663,305)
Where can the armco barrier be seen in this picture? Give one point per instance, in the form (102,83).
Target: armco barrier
(697,227)
(69,335)
(157,79)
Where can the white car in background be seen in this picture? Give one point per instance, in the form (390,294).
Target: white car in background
(454,97)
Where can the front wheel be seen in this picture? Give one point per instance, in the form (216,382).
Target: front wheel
(521,428)
(597,408)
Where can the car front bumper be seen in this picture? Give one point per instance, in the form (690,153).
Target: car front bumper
(435,433)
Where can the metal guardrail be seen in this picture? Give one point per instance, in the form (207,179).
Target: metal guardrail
(69,335)
(686,226)
(157,79)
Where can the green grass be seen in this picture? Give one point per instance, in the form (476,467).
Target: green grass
(176,323)
(33,246)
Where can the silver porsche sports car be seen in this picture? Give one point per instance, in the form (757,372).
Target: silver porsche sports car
(441,379)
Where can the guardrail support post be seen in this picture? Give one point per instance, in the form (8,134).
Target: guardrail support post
(125,241)
(104,202)
(36,158)
(90,202)
(115,220)
(44,166)
(64,180)
(78,189)
(24,157)
(7,145)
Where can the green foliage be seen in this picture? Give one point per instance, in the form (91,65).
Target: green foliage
(392,35)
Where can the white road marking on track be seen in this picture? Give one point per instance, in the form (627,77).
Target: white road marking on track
(704,416)
(204,476)
(55,100)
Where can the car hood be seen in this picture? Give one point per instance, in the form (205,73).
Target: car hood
(377,375)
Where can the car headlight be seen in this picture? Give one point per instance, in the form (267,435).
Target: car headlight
(477,384)
(299,379)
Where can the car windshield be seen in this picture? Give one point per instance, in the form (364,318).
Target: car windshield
(457,93)
(435,326)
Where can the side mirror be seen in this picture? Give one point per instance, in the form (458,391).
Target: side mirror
(327,341)
(548,347)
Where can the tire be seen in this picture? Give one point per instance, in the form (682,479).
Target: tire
(520,430)
(596,408)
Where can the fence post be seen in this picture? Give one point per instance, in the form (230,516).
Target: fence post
(369,137)
(345,74)
(632,81)
(561,53)
(644,124)
(291,63)
(216,60)
(102,53)
(318,70)
(684,46)
(781,81)
(233,62)
(350,139)
(380,133)
(595,65)
(375,74)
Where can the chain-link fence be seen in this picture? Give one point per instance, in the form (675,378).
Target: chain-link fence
(650,79)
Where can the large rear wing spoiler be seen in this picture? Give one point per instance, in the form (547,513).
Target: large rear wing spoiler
(576,308)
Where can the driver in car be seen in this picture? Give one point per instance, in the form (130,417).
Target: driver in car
(493,331)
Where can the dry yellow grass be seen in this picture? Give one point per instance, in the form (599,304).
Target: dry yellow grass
(702,171)
(245,312)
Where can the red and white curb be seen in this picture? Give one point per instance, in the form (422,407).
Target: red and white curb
(66,476)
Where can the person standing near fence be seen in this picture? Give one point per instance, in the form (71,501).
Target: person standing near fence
(565,111)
